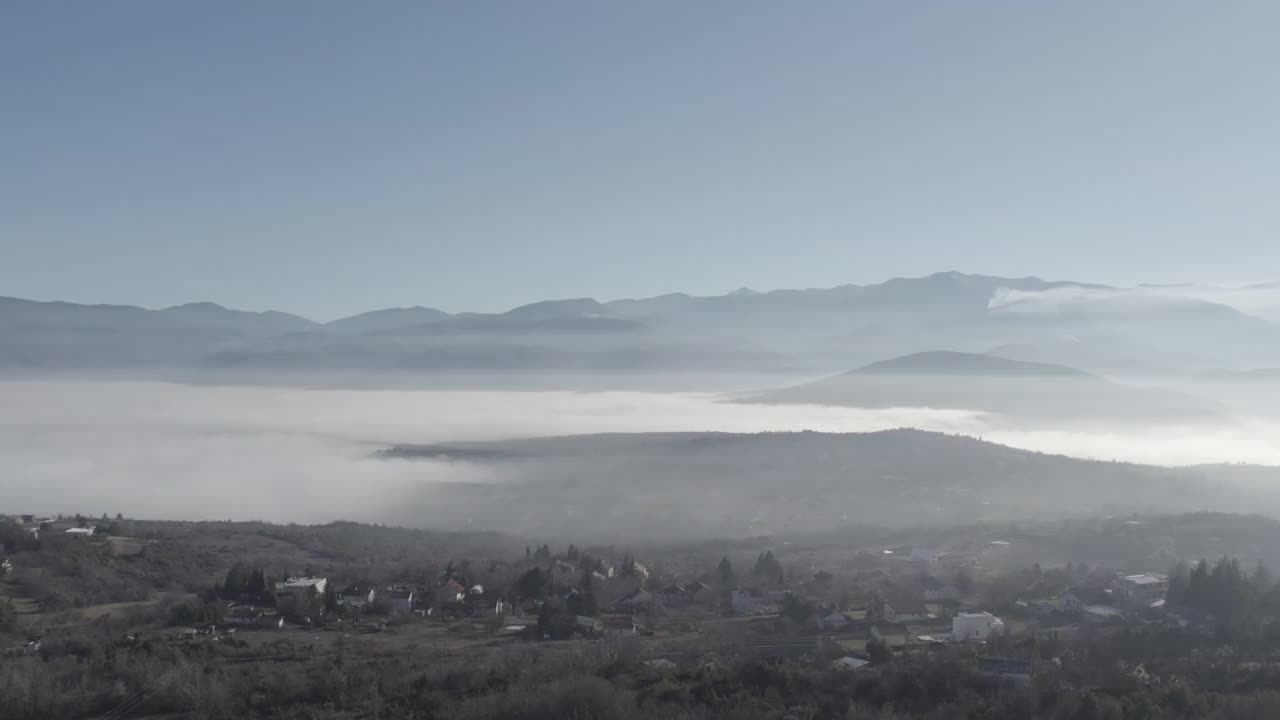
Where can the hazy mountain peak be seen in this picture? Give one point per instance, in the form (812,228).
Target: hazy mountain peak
(387,319)
(946,362)
(559,308)
(203,306)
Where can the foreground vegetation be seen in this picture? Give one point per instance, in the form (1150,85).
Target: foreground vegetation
(140,654)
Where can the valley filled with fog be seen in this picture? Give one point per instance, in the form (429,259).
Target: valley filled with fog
(417,416)
(153,449)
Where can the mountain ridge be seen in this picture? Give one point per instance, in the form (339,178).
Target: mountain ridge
(781,330)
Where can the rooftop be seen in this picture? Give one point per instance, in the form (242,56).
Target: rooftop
(1146,579)
(302,582)
(618,622)
(1103,610)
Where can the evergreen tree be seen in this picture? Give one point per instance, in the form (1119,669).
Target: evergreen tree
(725,573)
(257,585)
(1260,579)
(8,614)
(767,566)
(532,584)
(235,583)
(1178,584)
(1198,586)
(555,620)
(797,609)
(878,652)
(330,598)
(583,602)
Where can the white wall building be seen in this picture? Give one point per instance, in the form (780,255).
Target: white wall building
(976,627)
(1143,589)
(300,584)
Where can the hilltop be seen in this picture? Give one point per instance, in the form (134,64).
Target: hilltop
(1012,390)
(689,485)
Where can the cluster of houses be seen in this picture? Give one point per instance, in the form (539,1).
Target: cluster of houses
(901,589)
(33,524)
(38,524)
(398,599)
(1100,604)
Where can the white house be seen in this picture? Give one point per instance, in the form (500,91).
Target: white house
(975,626)
(80,531)
(1076,599)
(849,663)
(1145,589)
(296,585)
(1101,613)
(564,573)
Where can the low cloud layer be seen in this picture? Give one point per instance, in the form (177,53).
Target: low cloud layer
(288,454)
(1261,300)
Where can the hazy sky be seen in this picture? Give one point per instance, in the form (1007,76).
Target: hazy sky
(332,157)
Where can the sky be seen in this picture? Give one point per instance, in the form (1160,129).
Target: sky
(327,158)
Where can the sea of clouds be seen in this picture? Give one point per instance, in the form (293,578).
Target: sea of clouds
(160,450)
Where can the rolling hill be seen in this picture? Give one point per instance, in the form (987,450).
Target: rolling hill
(1015,390)
(689,485)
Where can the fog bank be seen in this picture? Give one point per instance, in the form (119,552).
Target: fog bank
(288,454)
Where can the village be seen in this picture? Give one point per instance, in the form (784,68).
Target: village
(1010,604)
(885,601)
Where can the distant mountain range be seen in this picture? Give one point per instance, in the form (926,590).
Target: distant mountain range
(1024,392)
(1107,330)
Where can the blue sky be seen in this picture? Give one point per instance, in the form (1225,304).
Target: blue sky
(332,157)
